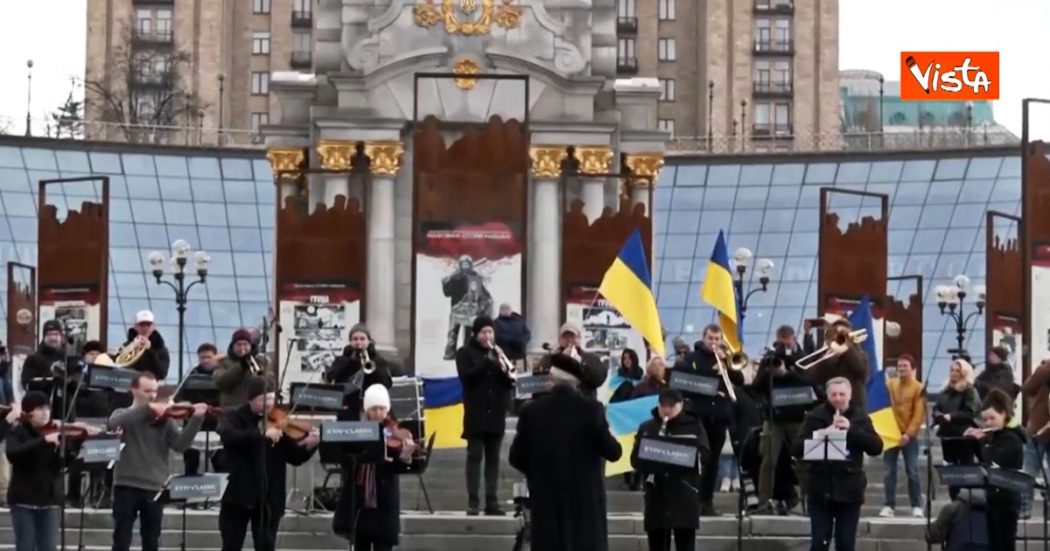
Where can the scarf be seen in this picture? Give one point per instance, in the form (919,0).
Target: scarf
(366,483)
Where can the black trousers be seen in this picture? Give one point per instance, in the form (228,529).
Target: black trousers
(1002,526)
(684,539)
(129,504)
(488,446)
(833,521)
(363,545)
(716,437)
(233,526)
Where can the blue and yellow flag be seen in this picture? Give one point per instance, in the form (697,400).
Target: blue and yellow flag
(624,419)
(880,406)
(720,293)
(627,285)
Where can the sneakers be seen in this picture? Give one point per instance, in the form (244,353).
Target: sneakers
(886,512)
(917,512)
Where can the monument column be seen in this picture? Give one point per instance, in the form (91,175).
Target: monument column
(384,160)
(593,160)
(286,163)
(335,155)
(647,165)
(544,283)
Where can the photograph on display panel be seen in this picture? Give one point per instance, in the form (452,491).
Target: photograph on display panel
(316,319)
(462,272)
(1040,306)
(76,309)
(605,331)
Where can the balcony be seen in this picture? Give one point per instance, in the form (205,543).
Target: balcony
(774,7)
(627,25)
(773,89)
(626,65)
(152,81)
(152,38)
(772,130)
(774,47)
(302,60)
(302,19)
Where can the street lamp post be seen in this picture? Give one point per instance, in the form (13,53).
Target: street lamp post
(764,268)
(29,97)
(222,90)
(180,252)
(950,301)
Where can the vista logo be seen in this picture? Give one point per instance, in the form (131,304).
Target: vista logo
(953,76)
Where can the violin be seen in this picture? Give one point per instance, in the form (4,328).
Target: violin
(68,431)
(178,412)
(279,418)
(396,434)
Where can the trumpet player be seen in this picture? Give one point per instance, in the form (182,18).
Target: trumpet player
(358,368)
(843,359)
(485,373)
(570,355)
(234,372)
(717,413)
(154,358)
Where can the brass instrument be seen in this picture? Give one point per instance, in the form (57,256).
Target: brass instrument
(663,427)
(253,366)
(738,360)
(825,352)
(126,357)
(504,361)
(367,365)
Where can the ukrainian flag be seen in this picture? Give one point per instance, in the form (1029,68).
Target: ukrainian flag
(720,293)
(627,285)
(444,411)
(880,407)
(624,419)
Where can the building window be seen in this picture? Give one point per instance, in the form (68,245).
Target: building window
(164,23)
(782,31)
(772,118)
(782,73)
(763,32)
(302,42)
(625,8)
(260,6)
(260,43)
(143,22)
(667,91)
(666,50)
(667,10)
(302,6)
(258,120)
(260,83)
(625,48)
(762,72)
(667,125)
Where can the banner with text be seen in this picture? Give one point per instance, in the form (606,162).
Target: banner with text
(315,319)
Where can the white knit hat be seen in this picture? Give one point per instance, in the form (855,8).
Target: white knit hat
(376,395)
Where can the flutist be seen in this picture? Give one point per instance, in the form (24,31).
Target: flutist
(717,413)
(238,367)
(358,368)
(486,375)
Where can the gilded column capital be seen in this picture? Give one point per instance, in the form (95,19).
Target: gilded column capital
(335,154)
(286,161)
(547,160)
(384,156)
(594,160)
(647,165)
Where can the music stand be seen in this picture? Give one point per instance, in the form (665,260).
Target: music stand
(101,449)
(200,388)
(666,455)
(109,377)
(314,398)
(184,490)
(825,445)
(357,443)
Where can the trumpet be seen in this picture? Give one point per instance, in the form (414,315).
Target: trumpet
(368,367)
(825,352)
(504,362)
(663,427)
(737,361)
(253,366)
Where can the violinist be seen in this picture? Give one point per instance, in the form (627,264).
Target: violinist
(358,368)
(255,490)
(236,369)
(142,470)
(372,518)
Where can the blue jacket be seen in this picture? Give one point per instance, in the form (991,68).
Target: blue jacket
(512,335)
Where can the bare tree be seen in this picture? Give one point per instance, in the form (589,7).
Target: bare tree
(143,97)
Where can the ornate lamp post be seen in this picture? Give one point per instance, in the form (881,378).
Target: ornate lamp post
(763,266)
(180,252)
(951,301)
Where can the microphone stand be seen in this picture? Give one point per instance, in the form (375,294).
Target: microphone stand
(68,408)
(929,467)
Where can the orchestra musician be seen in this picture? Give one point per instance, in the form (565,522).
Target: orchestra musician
(571,356)
(358,368)
(35,493)
(1000,446)
(372,518)
(846,360)
(836,488)
(717,413)
(485,373)
(207,361)
(257,460)
(155,359)
(672,504)
(90,404)
(143,467)
(654,380)
(40,364)
(562,438)
(238,367)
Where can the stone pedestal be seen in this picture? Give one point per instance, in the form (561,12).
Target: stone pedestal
(543,314)
(384,161)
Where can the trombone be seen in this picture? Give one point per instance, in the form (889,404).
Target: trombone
(738,360)
(823,353)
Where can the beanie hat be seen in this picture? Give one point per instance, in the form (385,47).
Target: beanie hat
(34,399)
(241,334)
(52,325)
(255,387)
(482,322)
(376,395)
(92,346)
(360,328)
(1001,352)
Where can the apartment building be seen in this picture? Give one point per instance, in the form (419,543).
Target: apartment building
(764,72)
(203,64)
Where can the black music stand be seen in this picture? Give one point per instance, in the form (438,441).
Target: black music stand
(317,399)
(193,488)
(199,388)
(101,449)
(784,401)
(356,443)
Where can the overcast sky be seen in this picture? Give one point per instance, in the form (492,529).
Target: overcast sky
(872,35)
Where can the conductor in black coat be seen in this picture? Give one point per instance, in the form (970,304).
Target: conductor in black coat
(590,367)
(347,370)
(257,461)
(486,398)
(716,413)
(672,501)
(562,439)
(836,488)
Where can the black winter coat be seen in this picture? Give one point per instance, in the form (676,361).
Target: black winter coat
(961,407)
(853,365)
(257,468)
(672,499)
(1005,448)
(342,372)
(999,376)
(594,371)
(766,379)
(38,365)
(35,465)
(156,360)
(562,439)
(232,374)
(486,391)
(839,481)
(512,335)
(702,362)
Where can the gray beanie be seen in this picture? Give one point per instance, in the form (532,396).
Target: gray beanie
(360,328)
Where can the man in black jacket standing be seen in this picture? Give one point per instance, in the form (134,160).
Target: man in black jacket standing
(51,352)
(512,333)
(717,413)
(836,488)
(486,399)
(238,367)
(997,374)
(562,438)
(574,358)
(257,460)
(155,359)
